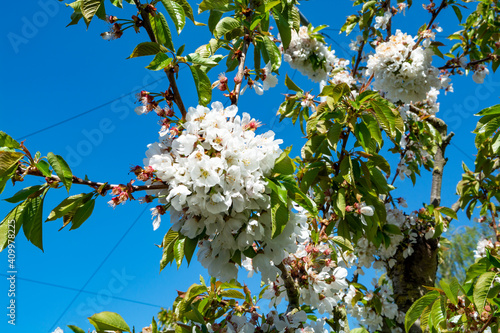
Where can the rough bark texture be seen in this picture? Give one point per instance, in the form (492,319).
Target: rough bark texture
(411,274)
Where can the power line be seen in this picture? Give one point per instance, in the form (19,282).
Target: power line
(82,291)
(85,112)
(463,152)
(97,269)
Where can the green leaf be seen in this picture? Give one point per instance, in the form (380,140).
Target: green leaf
(450,291)
(62,170)
(220,5)
(23,194)
(495,109)
(273,52)
(90,8)
(448,212)
(32,220)
(76,329)
(359,330)
(7,141)
(82,214)
(179,251)
(189,247)
(392,229)
(341,201)
(203,85)
(6,235)
(291,85)
(458,13)
(67,205)
(161,30)
(344,243)
(339,91)
(213,19)
(481,289)
(44,167)
(8,159)
(418,307)
(279,215)
(160,61)
(231,293)
(197,59)
(283,28)
(147,48)
(187,9)
(176,13)
(109,321)
(284,164)
(226,25)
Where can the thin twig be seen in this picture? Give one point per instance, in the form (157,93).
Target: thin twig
(93,184)
(292,290)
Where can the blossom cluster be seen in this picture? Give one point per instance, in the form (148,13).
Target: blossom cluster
(215,167)
(403,72)
(308,54)
(360,306)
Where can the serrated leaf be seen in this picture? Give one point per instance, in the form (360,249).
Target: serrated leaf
(226,25)
(481,289)
(197,59)
(32,220)
(44,167)
(415,311)
(189,247)
(160,61)
(279,215)
(161,30)
(82,214)
(67,205)
(8,159)
(109,321)
(273,53)
(90,8)
(23,194)
(7,141)
(231,293)
(344,243)
(176,13)
(221,5)
(203,85)
(179,251)
(213,19)
(5,230)
(62,169)
(147,48)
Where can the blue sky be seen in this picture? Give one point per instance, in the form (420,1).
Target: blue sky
(52,73)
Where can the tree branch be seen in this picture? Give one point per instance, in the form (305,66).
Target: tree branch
(170,72)
(292,290)
(435,13)
(241,69)
(93,184)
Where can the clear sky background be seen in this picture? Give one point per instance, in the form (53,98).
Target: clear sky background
(52,73)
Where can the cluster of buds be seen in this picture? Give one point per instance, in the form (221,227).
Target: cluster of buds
(475,321)
(143,174)
(121,193)
(221,83)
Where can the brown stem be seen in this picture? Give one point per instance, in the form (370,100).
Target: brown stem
(472,63)
(241,69)
(435,13)
(291,287)
(175,90)
(358,59)
(488,322)
(389,24)
(170,72)
(494,225)
(93,184)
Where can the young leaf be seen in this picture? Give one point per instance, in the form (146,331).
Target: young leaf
(109,321)
(147,48)
(82,214)
(161,30)
(481,289)
(7,141)
(291,85)
(203,85)
(176,13)
(418,307)
(160,61)
(44,167)
(76,329)
(23,194)
(197,59)
(220,5)
(32,220)
(179,251)
(226,25)
(14,216)
(67,205)
(187,9)
(90,8)
(8,159)
(61,168)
